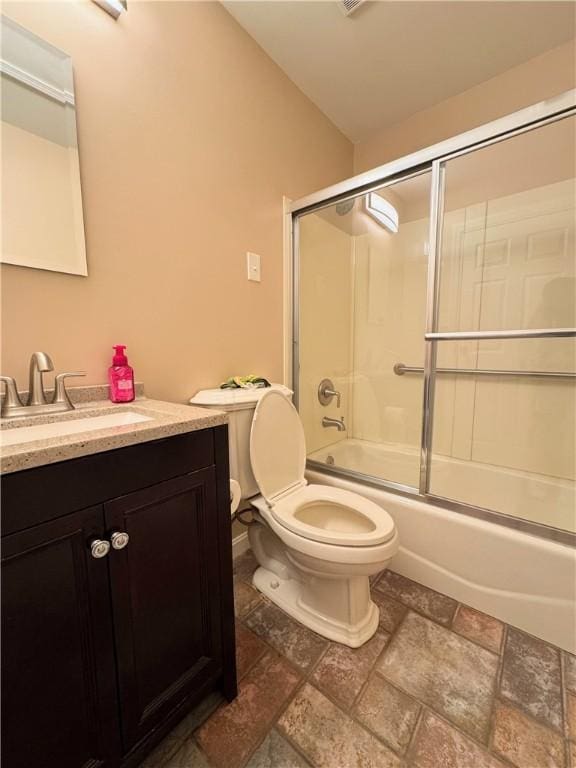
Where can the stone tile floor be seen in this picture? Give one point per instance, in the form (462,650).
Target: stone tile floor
(440,685)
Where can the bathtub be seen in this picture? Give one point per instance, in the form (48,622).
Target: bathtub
(525,580)
(524,495)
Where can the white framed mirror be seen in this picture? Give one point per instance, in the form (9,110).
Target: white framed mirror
(42,217)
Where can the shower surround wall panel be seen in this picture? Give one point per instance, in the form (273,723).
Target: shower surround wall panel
(389,308)
(325,320)
(495,258)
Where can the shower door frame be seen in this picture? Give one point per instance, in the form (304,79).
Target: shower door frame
(432,159)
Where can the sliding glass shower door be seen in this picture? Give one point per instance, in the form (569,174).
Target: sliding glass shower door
(436,316)
(504,420)
(362,284)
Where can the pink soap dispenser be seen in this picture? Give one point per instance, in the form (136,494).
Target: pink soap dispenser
(121,377)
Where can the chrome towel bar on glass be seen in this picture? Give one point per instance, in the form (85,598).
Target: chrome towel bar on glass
(400,369)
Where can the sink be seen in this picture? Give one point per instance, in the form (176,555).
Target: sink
(19,435)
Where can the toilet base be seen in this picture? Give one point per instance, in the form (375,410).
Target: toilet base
(286,594)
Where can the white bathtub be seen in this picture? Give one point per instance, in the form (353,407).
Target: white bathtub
(524,580)
(525,495)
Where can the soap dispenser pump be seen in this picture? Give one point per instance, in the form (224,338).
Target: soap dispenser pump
(121,377)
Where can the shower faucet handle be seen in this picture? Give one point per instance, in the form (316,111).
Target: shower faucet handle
(326,393)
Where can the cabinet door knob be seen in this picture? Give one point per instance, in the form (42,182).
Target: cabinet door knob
(119,539)
(99,548)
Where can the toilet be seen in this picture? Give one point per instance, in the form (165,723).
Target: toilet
(316,545)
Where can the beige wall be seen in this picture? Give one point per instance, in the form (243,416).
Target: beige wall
(189,136)
(535,80)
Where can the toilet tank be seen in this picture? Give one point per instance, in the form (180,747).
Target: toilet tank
(239,404)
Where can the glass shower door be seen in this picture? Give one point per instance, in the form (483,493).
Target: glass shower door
(362,285)
(504,405)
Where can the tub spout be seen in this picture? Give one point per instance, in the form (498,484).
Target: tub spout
(338,423)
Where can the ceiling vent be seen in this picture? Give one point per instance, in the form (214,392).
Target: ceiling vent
(350,6)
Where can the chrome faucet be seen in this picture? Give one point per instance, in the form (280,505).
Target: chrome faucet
(40,363)
(338,423)
(37,402)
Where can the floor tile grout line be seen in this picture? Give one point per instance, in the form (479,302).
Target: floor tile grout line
(427,709)
(374,667)
(307,678)
(268,647)
(422,586)
(189,734)
(459,605)
(351,715)
(471,639)
(420,613)
(401,753)
(496,697)
(347,708)
(278,712)
(435,712)
(411,747)
(529,716)
(304,676)
(534,721)
(295,746)
(519,706)
(456,612)
(564,693)
(350,710)
(253,664)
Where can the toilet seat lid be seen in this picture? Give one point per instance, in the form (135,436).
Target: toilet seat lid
(277,446)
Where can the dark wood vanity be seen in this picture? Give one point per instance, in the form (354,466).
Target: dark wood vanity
(101,656)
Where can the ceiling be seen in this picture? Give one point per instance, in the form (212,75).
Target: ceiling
(392,59)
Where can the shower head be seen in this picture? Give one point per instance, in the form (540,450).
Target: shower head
(344,207)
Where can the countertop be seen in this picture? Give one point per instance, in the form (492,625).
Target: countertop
(167,419)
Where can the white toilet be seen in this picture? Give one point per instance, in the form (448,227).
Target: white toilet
(316,545)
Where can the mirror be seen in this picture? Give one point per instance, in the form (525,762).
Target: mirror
(42,219)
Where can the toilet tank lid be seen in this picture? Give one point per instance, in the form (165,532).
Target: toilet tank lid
(231,397)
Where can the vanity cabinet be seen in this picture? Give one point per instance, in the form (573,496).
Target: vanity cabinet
(101,656)
(58,689)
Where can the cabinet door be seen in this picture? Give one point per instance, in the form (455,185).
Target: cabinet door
(165,595)
(59,699)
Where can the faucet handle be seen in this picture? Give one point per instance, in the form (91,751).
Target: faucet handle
(326,392)
(60,393)
(11,396)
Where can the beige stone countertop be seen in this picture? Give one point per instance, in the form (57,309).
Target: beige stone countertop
(166,419)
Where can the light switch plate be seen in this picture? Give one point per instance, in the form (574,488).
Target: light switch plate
(253,265)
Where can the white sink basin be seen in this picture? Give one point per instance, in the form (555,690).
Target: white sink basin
(19,435)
